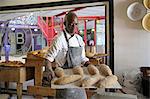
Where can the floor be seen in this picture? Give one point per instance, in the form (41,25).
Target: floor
(31,97)
(25,97)
(140,96)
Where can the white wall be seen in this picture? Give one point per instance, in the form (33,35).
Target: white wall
(131,41)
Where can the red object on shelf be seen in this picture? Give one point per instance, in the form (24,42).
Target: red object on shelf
(91,17)
(47,27)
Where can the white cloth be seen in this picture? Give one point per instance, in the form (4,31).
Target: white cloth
(59,48)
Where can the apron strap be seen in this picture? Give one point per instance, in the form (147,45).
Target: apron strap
(69,38)
(66,38)
(78,41)
(71,59)
(68,48)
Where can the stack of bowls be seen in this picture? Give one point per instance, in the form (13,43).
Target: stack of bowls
(146,18)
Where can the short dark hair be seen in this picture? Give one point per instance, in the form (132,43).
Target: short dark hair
(69,16)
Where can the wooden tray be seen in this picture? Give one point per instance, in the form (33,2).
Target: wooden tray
(11,64)
(76,84)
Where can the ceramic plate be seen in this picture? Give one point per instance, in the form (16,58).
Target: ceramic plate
(146,22)
(136,11)
(146,4)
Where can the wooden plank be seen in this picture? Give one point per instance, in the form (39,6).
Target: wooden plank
(38,76)
(34,62)
(41,91)
(19,90)
(95,61)
(22,75)
(38,63)
(100,55)
(12,74)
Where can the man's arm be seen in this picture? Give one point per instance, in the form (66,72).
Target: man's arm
(54,49)
(52,53)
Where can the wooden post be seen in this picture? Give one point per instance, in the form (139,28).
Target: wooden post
(19,90)
(38,78)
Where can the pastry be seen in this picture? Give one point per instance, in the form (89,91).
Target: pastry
(89,81)
(59,72)
(92,69)
(67,79)
(78,70)
(105,70)
(108,81)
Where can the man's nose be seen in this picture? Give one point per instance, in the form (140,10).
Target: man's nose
(76,30)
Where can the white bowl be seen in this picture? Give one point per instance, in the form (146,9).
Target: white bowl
(136,11)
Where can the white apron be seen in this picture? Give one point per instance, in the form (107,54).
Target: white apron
(73,59)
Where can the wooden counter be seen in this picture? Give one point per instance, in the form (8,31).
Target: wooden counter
(16,74)
(38,90)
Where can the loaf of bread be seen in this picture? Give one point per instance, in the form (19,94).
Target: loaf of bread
(59,72)
(41,53)
(105,70)
(90,51)
(78,70)
(89,54)
(92,69)
(45,50)
(67,79)
(89,81)
(108,81)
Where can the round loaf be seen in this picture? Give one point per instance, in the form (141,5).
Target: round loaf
(108,81)
(78,70)
(89,81)
(67,79)
(92,70)
(105,70)
(59,72)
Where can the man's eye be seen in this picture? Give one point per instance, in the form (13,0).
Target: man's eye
(74,24)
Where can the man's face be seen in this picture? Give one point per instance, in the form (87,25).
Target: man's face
(71,25)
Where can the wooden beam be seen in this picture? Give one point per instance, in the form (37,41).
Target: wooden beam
(41,91)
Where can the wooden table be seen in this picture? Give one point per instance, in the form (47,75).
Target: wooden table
(38,90)
(15,74)
(77,83)
(98,59)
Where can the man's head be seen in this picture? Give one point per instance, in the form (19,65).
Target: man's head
(70,22)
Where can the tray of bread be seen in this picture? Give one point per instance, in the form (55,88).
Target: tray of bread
(38,53)
(85,77)
(12,63)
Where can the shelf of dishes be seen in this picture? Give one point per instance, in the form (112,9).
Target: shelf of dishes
(137,11)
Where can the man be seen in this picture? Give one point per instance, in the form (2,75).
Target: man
(67,51)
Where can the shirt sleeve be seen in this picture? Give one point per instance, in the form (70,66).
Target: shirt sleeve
(54,49)
(84,58)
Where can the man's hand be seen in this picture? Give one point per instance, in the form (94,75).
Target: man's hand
(51,65)
(87,63)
